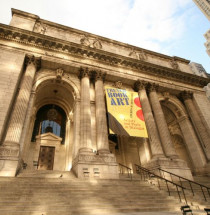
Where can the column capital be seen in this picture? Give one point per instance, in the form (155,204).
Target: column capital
(99,75)
(153,87)
(31,59)
(186,95)
(84,72)
(139,85)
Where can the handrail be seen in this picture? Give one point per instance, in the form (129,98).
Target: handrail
(151,174)
(128,170)
(190,182)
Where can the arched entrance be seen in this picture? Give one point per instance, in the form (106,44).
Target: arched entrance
(52,128)
(172,113)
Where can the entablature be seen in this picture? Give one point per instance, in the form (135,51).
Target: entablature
(48,43)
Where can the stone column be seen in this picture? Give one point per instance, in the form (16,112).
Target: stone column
(85,112)
(11,146)
(161,123)
(156,148)
(201,130)
(192,143)
(101,122)
(76,120)
(20,108)
(27,121)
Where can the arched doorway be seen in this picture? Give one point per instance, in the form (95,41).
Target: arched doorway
(49,134)
(171,113)
(50,138)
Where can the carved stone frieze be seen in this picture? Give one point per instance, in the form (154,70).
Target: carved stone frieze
(8,153)
(93,158)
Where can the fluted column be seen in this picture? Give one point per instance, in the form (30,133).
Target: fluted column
(156,148)
(76,138)
(192,143)
(101,122)
(161,123)
(19,112)
(26,123)
(85,120)
(201,130)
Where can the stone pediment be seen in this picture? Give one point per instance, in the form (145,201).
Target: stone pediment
(49,136)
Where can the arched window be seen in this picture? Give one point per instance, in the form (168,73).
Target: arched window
(50,118)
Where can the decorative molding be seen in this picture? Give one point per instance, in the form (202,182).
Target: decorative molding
(22,36)
(118,84)
(7,153)
(92,158)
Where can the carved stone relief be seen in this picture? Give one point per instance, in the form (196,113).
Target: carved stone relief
(118,84)
(90,43)
(207,90)
(40,28)
(174,64)
(138,55)
(59,73)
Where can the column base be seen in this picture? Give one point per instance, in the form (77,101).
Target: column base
(9,160)
(176,166)
(102,166)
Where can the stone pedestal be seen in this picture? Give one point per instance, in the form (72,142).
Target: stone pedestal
(9,155)
(101,166)
(176,166)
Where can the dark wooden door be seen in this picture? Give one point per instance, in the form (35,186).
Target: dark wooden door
(46,158)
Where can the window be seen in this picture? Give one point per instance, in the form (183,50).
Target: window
(50,118)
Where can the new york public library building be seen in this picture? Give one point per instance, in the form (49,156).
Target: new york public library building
(53,111)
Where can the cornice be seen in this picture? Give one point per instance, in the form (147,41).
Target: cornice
(41,41)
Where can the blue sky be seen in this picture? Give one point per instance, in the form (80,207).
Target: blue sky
(171,27)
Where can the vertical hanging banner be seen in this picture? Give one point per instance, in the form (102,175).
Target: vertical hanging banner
(125,114)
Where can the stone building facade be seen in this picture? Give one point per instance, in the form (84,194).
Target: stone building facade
(53,110)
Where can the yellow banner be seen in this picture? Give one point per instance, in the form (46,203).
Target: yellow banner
(125,114)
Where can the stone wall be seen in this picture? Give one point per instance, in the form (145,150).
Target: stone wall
(11,64)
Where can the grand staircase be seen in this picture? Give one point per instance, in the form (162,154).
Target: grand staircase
(60,193)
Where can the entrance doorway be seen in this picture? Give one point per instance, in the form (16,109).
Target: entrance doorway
(46,158)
